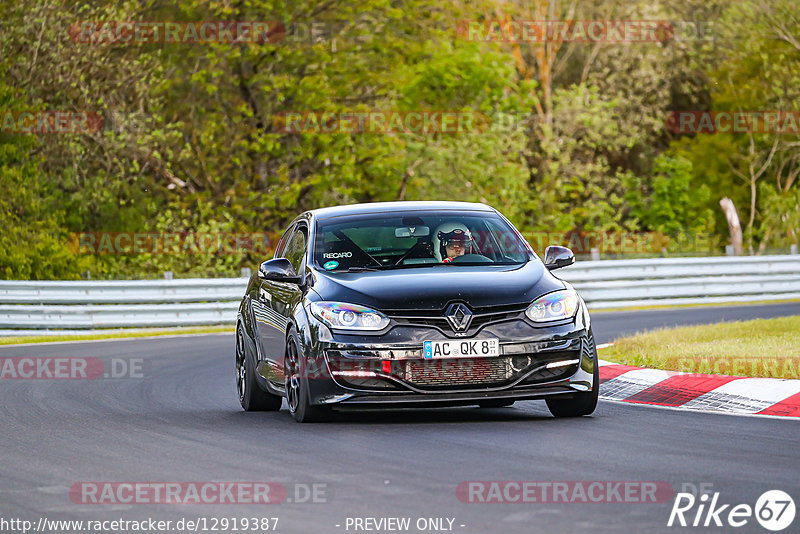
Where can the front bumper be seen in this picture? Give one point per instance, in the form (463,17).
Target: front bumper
(534,363)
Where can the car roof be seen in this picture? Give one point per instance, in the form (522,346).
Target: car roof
(381,207)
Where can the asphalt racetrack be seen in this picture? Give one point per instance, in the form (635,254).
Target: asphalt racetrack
(179,421)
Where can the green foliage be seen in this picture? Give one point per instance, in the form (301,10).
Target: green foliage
(668,203)
(578,186)
(486,163)
(780,223)
(33,243)
(576,138)
(753,67)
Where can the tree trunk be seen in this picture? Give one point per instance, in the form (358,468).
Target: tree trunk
(733,224)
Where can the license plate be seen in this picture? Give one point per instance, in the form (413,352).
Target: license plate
(466,348)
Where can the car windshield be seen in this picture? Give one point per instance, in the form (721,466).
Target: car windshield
(416,239)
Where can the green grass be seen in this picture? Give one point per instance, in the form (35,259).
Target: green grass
(757,348)
(118,334)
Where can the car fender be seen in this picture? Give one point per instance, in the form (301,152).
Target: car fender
(582,319)
(299,321)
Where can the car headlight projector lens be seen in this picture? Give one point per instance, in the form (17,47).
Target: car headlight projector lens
(553,306)
(344,316)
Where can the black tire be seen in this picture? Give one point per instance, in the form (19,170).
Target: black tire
(251,396)
(582,403)
(496,403)
(297,394)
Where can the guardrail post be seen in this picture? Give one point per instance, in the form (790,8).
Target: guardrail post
(595,254)
(167,275)
(246,272)
(729,250)
(793,249)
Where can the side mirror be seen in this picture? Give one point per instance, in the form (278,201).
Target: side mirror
(279,270)
(558,257)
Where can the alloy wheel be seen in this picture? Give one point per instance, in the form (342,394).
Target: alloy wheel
(241,368)
(292,380)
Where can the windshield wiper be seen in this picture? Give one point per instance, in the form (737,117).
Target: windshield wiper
(412,265)
(453,264)
(358,269)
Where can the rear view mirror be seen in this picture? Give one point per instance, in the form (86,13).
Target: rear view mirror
(279,269)
(558,257)
(412,231)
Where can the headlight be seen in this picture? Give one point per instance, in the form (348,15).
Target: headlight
(343,316)
(553,306)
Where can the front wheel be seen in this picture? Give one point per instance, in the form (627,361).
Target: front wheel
(251,396)
(297,395)
(582,403)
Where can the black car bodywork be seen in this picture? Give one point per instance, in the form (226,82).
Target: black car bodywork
(285,350)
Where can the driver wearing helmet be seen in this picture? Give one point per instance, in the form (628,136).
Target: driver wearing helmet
(454,244)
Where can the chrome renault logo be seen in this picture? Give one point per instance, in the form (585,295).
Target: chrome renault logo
(459,316)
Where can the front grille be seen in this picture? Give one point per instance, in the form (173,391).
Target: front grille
(458,371)
(485,372)
(436,318)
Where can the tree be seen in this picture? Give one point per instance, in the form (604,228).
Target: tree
(755,69)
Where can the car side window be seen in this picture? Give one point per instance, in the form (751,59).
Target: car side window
(281,246)
(296,248)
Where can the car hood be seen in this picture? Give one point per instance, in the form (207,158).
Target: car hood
(432,288)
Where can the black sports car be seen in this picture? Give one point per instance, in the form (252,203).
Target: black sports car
(411,304)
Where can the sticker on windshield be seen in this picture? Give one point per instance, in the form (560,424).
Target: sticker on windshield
(330,265)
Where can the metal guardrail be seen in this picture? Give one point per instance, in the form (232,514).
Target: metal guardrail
(85,305)
(56,305)
(670,281)
(125,291)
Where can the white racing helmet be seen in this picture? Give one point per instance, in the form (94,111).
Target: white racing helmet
(448,231)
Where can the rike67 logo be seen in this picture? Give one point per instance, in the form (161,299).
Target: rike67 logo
(774,510)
